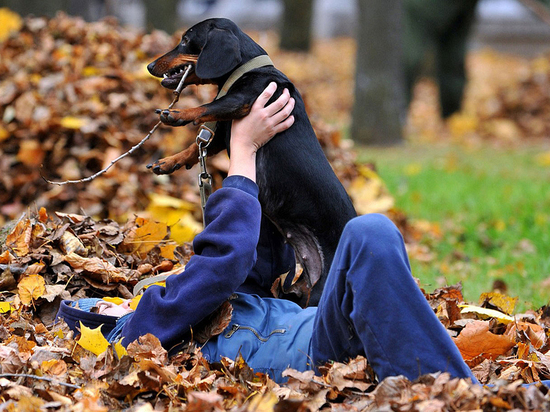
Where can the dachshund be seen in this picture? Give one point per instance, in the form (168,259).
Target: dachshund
(299,191)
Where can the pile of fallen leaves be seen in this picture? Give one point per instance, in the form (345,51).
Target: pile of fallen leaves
(506,101)
(74,96)
(64,256)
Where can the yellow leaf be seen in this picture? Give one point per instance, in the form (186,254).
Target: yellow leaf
(177,214)
(4,134)
(5,307)
(505,303)
(70,122)
(120,350)
(115,300)
(91,71)
(542,159)
(263,403)
(487,313)
(500,225)
(31,288)
(167,251)
(461,124)
(134,302)
(413,169)
(161,201)
(185,229)
(144,236)
(369,194)
(92,340)
(9,21)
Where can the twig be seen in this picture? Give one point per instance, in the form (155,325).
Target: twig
(177,93)
(42,378)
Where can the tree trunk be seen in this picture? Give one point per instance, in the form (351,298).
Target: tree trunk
(296,28)
(379,109)
(162,15)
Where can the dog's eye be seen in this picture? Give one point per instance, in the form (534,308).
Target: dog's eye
(184,41)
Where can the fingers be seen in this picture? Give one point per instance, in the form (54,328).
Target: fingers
(284,111)
(282,126)
(264,97)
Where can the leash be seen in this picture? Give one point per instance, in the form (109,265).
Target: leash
(208,130)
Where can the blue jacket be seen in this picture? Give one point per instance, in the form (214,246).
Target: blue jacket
(271,334)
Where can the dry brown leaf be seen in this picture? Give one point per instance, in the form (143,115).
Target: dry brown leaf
(476,340)
(19,239)
(101,269)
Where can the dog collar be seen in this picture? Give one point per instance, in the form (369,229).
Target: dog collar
(255,63)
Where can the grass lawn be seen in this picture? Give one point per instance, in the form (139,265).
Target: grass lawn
(492,206)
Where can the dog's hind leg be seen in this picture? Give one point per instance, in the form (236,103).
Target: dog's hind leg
(188,158)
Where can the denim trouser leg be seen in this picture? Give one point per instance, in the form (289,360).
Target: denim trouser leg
(372,306)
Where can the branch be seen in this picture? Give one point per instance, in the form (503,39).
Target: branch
(177,93)
(42,378)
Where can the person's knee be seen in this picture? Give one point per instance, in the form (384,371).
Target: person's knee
(373,227)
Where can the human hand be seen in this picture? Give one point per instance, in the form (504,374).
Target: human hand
(257,128)
(263,122)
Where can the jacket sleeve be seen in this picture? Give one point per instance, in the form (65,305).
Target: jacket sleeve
(225,251)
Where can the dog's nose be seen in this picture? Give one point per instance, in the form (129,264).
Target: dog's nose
(151,67)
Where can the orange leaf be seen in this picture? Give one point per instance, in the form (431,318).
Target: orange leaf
(476,340)
(54,367)
(20,238)
(5,257)
(43,215)
(31,153)
(31,288)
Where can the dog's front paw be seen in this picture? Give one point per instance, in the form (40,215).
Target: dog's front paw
(163,166)
(172,117)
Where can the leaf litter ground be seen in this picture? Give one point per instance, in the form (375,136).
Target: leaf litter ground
(74,97)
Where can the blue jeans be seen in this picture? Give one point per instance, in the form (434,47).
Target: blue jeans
(370,306)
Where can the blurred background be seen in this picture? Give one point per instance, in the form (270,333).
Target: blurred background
(434,112)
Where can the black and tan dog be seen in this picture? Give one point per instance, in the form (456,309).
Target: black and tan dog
(299,191)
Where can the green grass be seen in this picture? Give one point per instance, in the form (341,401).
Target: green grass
(493,208)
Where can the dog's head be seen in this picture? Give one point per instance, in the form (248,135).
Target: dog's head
(215,47)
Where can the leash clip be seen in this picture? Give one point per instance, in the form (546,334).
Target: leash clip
(204,137)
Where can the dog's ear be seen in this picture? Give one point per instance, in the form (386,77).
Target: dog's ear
(220,54)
